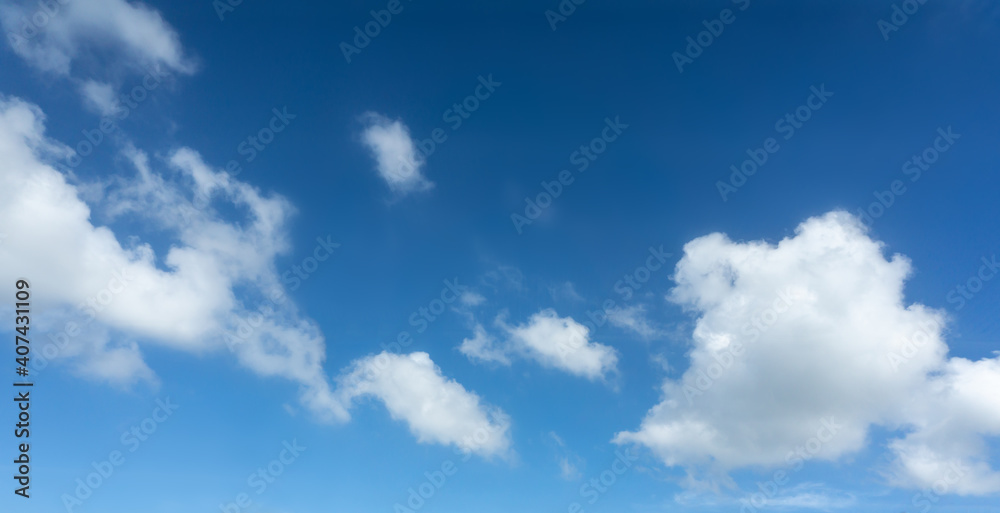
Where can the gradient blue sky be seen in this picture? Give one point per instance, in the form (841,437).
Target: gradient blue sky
(656,185)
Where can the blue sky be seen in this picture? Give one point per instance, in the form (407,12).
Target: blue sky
(546,349)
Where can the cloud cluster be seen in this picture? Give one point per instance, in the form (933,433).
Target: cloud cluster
(812,328)
(52,35)
(214,287)
(552,341)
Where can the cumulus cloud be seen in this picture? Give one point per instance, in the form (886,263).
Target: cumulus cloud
(554,342)
(396,157)
(214,288)
(815,330)
(562,343)
(53,36)
(437,409)
(182,299)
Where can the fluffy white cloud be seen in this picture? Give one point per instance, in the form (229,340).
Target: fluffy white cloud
(52,35)
(396,158)
(215,287)
(437,409)
(552,341)
(816,328)
(183,299)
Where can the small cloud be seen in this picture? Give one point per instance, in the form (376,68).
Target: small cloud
(99,97)
(565,291)
(482,347)
(396,157)
(633,318)
(470,298)
(567,470)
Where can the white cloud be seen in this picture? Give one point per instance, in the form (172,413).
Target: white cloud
(767,366)
(483,347)
(99,97)
(182,299)
(471,298)
(52,39)
(396,158)
(121,297)
(561,343)
(437,409)
(633,318)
